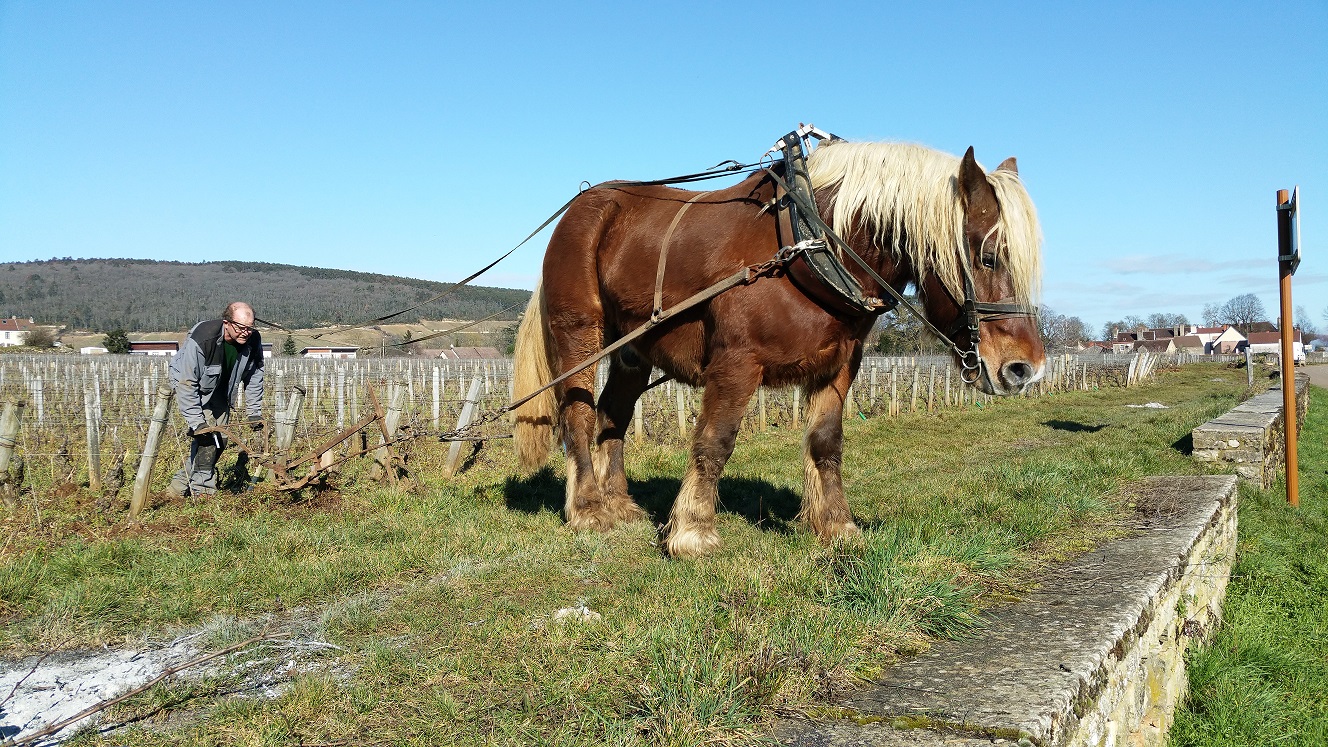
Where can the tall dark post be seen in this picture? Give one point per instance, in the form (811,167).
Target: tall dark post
(1286,267)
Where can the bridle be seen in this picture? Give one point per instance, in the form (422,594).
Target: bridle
(808,223)
(974,312)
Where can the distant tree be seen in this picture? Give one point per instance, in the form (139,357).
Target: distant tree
(39,337)
(900,333)
(1130,323)
(1060,332)
(507,339)
(1166,321)
(116,341)
(1212,315)
(288,347)
(1243,310)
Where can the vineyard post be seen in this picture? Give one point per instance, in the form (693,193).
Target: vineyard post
(467,413)
(682,414)
(637,430)
(383,454)
(761,399)
(437,398)
(9,423)
(91,425)
(143,480)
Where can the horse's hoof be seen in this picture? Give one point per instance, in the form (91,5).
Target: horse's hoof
(590,521)
(841,532)
(692,543)
(625,510)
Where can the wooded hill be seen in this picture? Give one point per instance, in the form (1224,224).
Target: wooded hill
(139,295)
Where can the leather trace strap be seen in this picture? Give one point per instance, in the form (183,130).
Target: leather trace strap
(658,309)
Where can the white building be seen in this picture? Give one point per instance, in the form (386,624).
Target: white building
(329,351)
(14,331)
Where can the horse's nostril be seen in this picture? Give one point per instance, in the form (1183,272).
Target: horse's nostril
(1017,373)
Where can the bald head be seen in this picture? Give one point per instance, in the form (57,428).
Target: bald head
(240,312)
(240,318)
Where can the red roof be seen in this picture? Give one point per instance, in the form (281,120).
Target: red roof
(1269,338)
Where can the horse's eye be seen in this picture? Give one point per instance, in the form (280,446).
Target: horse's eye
(989,260)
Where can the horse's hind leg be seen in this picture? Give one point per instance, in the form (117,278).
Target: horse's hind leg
(577,337)
(628,377)
(729,384)
(824,507)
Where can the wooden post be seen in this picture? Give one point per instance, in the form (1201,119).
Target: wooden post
(389,424)
(931,388)
(637,423)
(467,414)
(894,392)
(9,424)
(143,480)
(797,402)
(91,424)
(286,421)
(437,398)
(917,381)
(1286,268)
(682,414)
(760,396)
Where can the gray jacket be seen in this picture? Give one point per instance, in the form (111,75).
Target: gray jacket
(196,374)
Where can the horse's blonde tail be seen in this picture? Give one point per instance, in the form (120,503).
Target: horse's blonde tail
(533,432)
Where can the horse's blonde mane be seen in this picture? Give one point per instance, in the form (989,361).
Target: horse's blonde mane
(910,193)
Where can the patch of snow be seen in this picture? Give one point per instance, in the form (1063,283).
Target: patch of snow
(1152,406)
(67,683)
(579,613)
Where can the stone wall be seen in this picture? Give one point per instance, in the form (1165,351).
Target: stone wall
(1251,436)
(1095,657)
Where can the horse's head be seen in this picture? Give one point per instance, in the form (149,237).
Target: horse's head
(969,240)
(986,305)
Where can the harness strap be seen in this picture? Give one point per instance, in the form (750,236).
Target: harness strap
(812,217)
(664,256)
(745,275)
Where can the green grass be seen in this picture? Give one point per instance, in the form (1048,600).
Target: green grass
(1263,679)
(443,600)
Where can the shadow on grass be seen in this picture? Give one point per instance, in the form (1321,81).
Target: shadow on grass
(767,506)
(1184,444)
(1073,427)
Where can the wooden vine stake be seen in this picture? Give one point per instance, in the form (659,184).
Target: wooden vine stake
(467,414)
(143,480)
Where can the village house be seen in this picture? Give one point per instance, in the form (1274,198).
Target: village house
(14,331)
(1270,343)
(1165,345)
(330,351)
(154,347)
(1192,344)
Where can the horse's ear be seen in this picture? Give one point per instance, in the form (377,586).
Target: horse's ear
(972,181)
(1009,165)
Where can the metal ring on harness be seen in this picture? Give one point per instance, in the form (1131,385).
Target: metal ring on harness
(965,366)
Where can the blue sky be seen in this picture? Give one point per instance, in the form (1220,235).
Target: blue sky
(424,139)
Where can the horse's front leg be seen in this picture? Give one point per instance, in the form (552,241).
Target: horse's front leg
(824,507)
(729,385)
(628,378)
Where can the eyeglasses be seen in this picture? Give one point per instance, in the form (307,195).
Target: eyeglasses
(240,329)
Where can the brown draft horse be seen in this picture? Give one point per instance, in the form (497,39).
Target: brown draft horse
(913,213)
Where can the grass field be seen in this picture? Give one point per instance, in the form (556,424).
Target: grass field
(442,602)
(1263,679)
